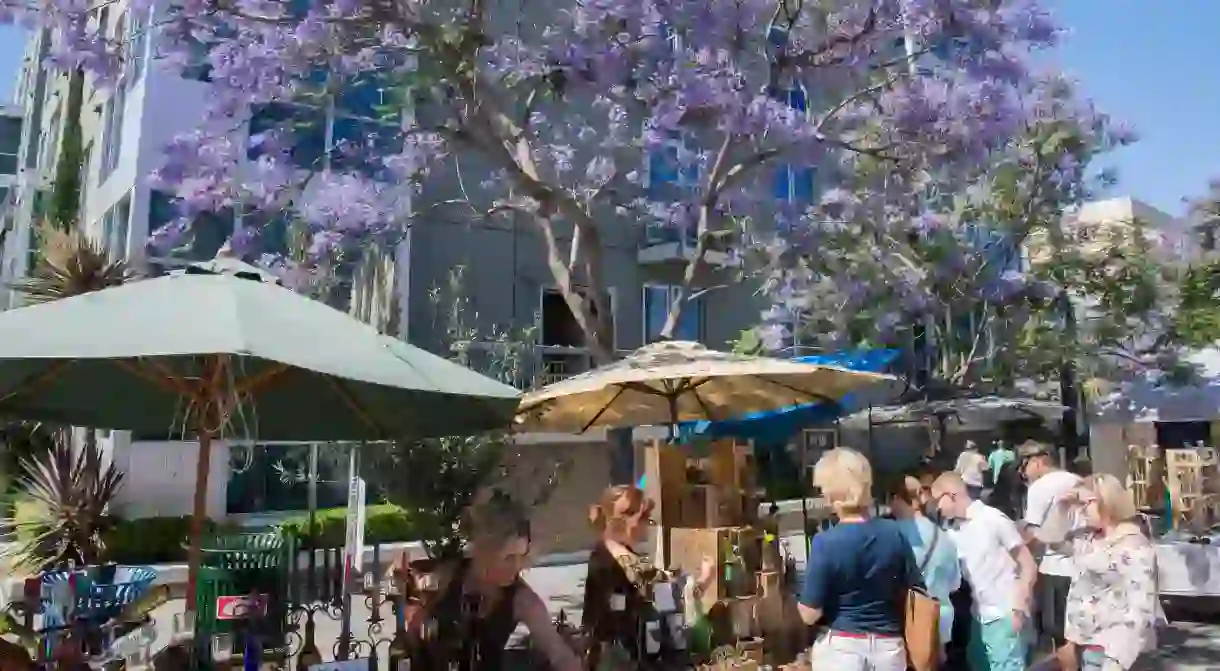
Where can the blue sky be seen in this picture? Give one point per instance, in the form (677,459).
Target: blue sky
(1155,69)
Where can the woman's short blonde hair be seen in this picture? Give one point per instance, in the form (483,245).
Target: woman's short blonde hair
(845,478)
(1113,499)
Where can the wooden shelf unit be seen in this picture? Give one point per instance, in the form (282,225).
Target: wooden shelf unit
(1190,476)
(708,502)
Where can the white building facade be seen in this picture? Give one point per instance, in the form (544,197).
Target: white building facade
(124,129)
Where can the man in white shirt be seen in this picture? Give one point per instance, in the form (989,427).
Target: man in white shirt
(997,563)
(1047,485)
(970,466)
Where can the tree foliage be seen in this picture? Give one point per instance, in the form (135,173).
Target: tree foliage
(578,119)
(66,192)
(933,262)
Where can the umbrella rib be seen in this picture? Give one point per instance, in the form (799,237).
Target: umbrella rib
(38,379)
(694,390)
(348,398)
(255,382)
(162,379)
(621,389)
(805,392)
(643,388)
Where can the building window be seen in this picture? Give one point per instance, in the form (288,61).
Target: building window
(362,124)
(673,175)
(137,45)
(794,183)
(274,477)
(657,298)
(116,224)
(557,327)
(10,144)
(672,165)
(50,141)
(207,234)
(210,231)
(112,130)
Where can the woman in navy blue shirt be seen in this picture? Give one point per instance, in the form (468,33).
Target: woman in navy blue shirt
(857,575)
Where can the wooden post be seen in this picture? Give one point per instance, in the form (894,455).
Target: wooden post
(664,471)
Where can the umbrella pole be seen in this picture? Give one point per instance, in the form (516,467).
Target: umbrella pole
(206,423)
(203,467)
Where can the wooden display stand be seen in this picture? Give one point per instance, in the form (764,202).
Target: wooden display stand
(1190,476)
(1146,476)
(708,507)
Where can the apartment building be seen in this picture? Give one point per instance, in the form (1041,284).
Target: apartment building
(124,128)
(1097,227)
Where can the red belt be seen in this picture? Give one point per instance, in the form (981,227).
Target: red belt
(1092,648)
(863,635)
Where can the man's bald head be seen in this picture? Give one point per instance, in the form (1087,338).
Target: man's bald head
(947,482)
(951,496)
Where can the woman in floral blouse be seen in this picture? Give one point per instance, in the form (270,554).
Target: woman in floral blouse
(1112,608)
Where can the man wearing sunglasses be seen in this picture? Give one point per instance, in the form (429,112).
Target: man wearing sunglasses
(997,563)
(1048,484)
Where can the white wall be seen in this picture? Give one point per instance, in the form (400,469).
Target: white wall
(160,477)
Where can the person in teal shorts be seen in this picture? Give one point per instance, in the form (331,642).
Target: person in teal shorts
(1001,571)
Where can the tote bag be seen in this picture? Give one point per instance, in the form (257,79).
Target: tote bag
(921,621)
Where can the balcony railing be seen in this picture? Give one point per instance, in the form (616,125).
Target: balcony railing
(668,244)
(540,366)
(660,234)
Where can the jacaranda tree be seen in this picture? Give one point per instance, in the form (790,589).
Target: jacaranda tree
(581,116)
(953,266)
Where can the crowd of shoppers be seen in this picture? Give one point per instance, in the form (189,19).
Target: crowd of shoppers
(1072,568)
(1060,573)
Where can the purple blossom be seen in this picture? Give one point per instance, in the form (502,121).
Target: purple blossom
(579,112)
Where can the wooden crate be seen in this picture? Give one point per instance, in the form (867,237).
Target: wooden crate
(707,506)
(690,546)
(1146,475)
(1189,476)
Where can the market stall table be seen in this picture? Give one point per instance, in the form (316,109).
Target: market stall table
(1189,566)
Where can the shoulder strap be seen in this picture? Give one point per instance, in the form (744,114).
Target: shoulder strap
(927,558)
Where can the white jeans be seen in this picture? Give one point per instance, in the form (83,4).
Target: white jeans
(858,653)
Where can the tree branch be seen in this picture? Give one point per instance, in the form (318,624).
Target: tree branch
(702,236)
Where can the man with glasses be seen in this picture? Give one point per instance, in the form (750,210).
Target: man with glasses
(1047,485)
(1000,569)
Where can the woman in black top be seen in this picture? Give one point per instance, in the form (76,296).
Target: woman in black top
(618,588)
(483,598)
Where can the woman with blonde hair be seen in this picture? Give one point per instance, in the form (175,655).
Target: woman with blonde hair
(618,588)
(1112,608)
(857,575)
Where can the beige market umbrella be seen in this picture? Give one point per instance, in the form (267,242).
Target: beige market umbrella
(671,382)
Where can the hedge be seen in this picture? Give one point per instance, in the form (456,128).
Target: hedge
(161,540)
(383,523)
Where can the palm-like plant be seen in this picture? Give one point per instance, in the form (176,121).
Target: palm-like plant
(70,264)
(65,494)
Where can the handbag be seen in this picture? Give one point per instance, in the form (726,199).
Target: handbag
(921,621)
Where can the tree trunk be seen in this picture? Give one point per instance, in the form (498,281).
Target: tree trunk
(589,323)
(65,204)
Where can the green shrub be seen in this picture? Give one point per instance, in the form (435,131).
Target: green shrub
(383,523)
(153,540)
(163,540)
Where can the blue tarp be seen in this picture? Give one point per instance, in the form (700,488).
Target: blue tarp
(778,426)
